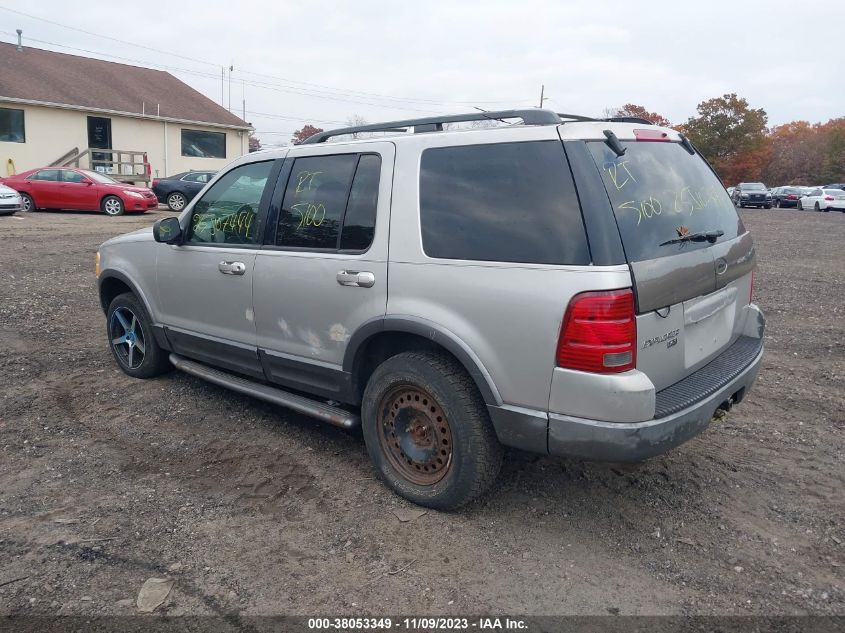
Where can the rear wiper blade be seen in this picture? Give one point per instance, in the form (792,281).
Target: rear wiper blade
(702,236)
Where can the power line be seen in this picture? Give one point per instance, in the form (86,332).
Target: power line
(338,91)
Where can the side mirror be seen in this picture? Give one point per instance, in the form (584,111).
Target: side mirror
(88,182)
(167,231)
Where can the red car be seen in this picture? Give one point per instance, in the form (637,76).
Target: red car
(80,189)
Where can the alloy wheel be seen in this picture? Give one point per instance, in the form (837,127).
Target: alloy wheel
(127,337)
(176,201)
(112,206)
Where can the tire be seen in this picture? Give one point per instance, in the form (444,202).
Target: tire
(126,314)
(445,423)
(112,205)
(816,207)
(777,204)
(176,201)
(799,206)
(27,203)
(767,206)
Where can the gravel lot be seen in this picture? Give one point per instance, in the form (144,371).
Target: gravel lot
(106,481)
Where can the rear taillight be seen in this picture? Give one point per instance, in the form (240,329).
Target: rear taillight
(791,196)
(599,333)
(155,182)
(829,198)
(651,135)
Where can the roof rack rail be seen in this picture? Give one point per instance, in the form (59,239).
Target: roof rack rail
(532,116)
(628,119)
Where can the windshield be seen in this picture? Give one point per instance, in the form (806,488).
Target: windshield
(753,186)
(98,177)
(660,192)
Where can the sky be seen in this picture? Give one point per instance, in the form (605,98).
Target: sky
(324,63)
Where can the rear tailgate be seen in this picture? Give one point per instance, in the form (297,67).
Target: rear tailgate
(690,294)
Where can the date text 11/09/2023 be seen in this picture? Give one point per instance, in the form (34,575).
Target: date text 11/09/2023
(418,624)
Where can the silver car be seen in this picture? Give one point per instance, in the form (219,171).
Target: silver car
(562,285)
(10,200)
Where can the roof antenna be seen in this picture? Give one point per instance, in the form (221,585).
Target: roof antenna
(20,32)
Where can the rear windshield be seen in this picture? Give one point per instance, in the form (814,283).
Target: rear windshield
(659,192)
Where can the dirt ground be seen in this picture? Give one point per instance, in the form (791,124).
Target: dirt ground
(106,481)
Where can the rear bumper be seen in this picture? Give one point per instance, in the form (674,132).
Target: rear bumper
(632,442)
(678,413)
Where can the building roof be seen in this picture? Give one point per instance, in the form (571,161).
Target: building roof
(37,75)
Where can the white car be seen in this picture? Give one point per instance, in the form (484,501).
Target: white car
(10,200)
(819,199)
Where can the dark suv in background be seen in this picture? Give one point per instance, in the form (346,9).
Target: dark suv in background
(752,194)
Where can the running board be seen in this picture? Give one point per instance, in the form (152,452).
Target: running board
(313,408)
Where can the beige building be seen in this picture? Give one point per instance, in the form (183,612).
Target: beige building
(64,109)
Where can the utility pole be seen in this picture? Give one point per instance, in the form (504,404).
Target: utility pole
(243,96)
(542,98)
(231,68)
(222,86)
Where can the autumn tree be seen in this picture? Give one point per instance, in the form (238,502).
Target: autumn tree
(254,143)
(307,131)
(732,136)
(639,112)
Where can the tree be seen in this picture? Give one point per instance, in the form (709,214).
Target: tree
(254,143)
(732,136)
(638,111)
(356,120)
(307,130)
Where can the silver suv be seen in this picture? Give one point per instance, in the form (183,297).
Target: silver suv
(562,285)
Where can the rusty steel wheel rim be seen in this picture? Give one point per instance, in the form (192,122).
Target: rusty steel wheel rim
(414,434)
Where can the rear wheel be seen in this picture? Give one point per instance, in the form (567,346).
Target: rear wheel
(427,430)
(27,203)
(777,204)
(131,339)
(176,201)
(112,205)
(816,207)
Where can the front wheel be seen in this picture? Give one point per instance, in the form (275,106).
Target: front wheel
(131,338)
(777,204)
(767,206)
(427,430)
(112,205)
(799,206)
(27,203)
(176,201)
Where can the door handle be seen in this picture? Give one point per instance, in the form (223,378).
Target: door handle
(232,268)
(363,279)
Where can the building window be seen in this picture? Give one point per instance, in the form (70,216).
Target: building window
(11,126)
(203,144)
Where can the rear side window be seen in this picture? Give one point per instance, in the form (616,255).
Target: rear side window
(659,192)
(46,174)
(330,203)
(506,202)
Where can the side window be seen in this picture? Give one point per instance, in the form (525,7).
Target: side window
(315,200)
(46,174)
(227,213)
(359,223)
(72,176)
(506,202)
(203,178)
(190,178)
